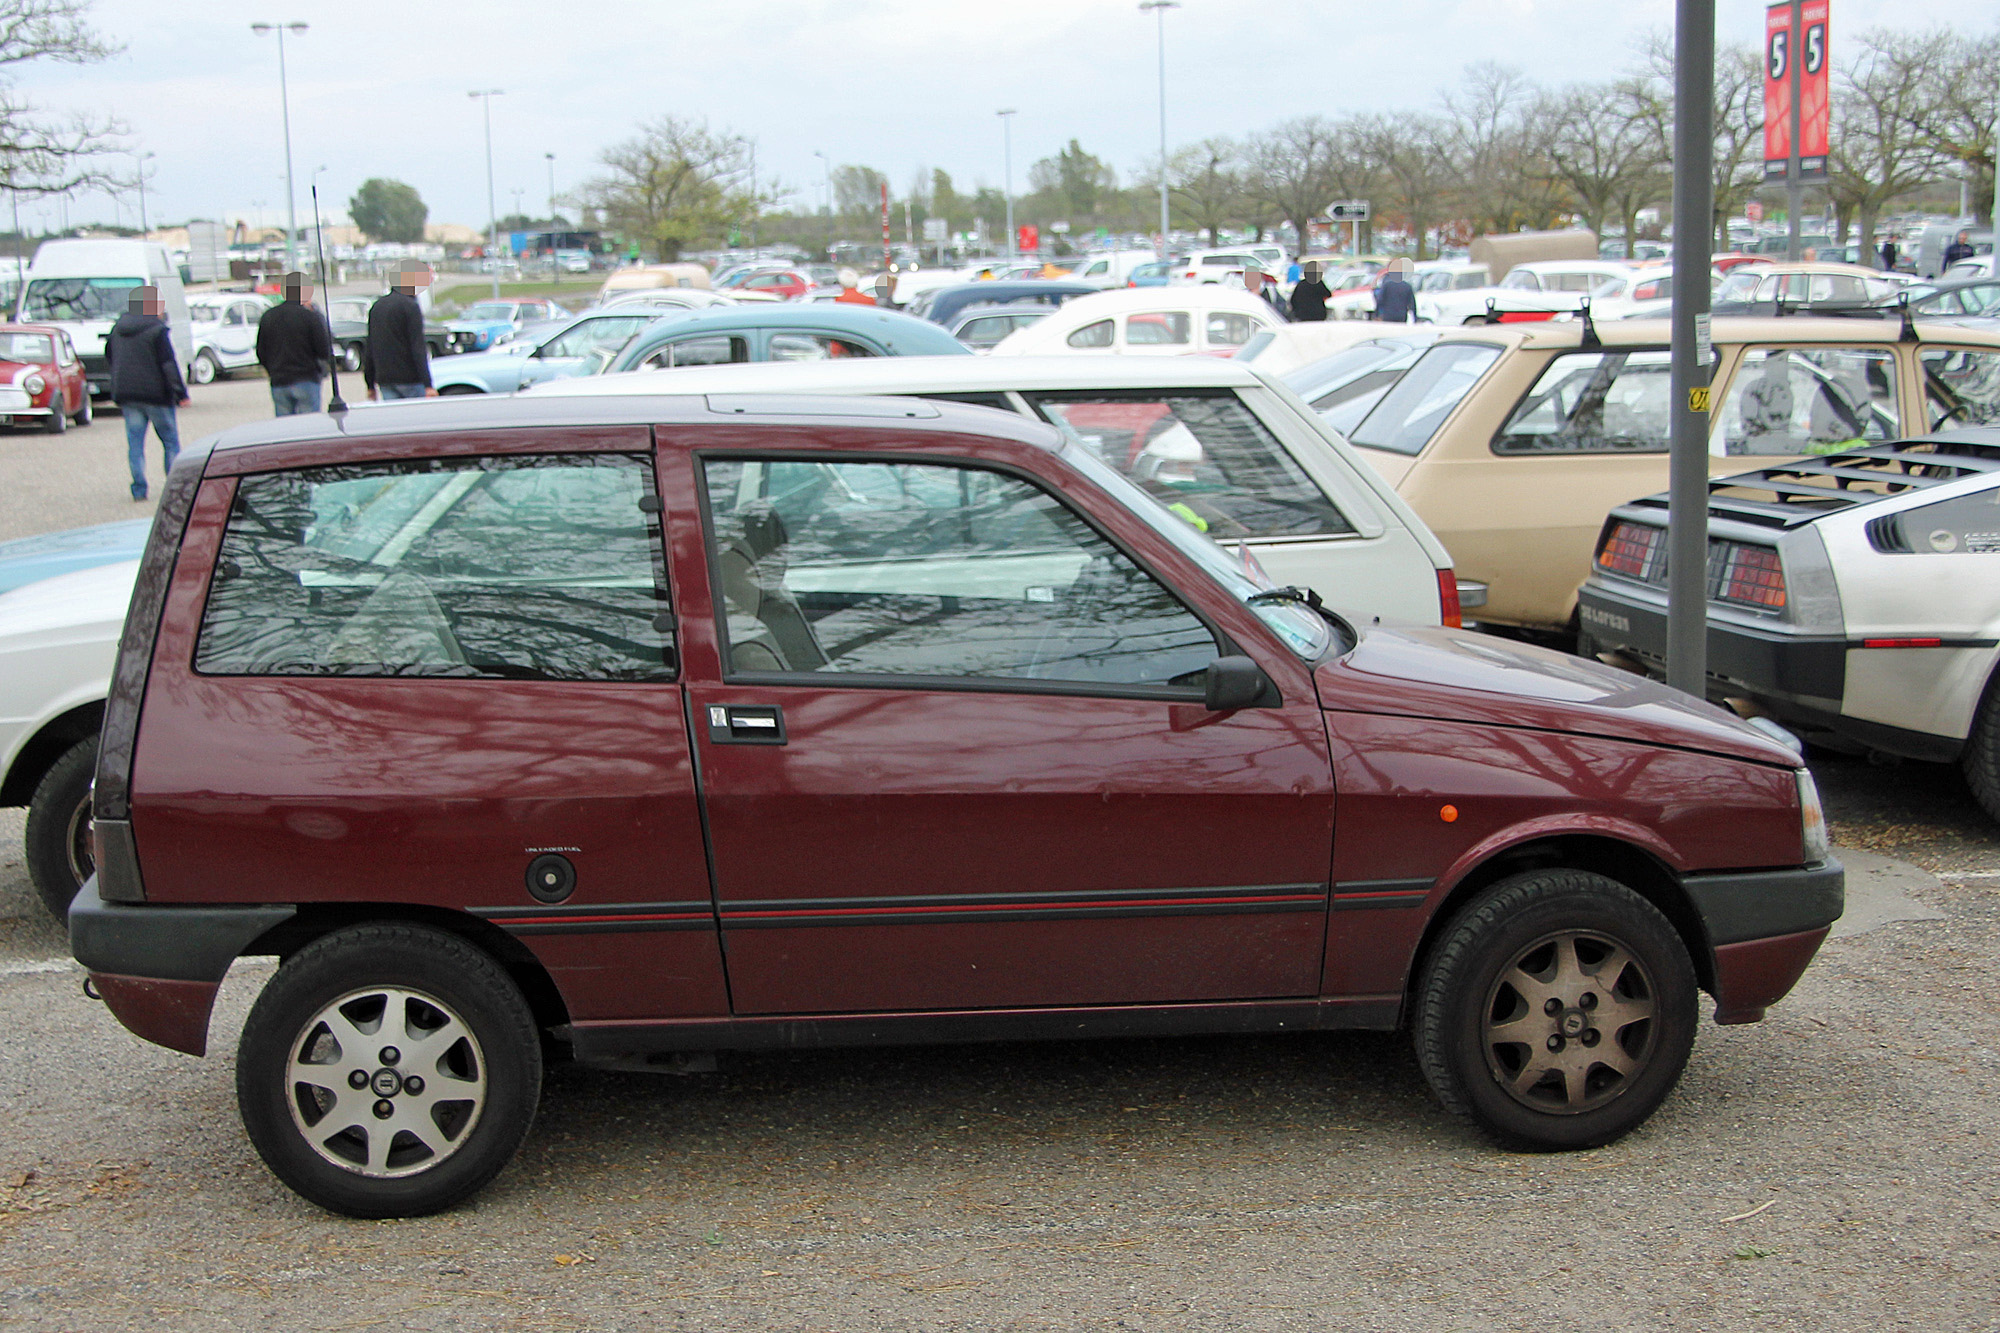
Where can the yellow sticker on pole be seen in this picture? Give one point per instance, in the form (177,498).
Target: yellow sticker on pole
(1698,398)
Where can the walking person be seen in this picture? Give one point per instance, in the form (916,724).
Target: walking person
(1310,295)
(1957,250)
(1258,283)
(1395,299)
(1889,254)
(294,346)
(850,289)
(146,380)
(397,362)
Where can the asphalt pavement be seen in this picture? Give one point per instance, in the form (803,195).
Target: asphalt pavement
(1836,1167)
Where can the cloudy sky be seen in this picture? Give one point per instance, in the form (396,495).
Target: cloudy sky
(378,87)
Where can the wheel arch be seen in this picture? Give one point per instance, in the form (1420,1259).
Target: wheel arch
(314,921)
(49,743)
(1623,862)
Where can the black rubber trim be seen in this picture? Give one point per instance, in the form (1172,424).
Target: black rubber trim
(601,918)
(1757,904)
(596,1040)
(765,914)
(166,942)
(1364,895)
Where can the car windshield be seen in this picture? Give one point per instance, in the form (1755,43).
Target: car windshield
(1303,631)
(1740,285)
(1343,366)
(77,298)
(33,347)
(1411,412)
(490,310)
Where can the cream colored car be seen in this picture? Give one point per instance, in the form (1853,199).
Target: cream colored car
(1514,441)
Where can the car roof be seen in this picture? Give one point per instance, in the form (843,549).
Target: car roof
(787,315)
(916,375)
(1818,266)
(420,419)
(1567,335)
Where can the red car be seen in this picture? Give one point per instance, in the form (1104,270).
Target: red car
(785,284)
(41,380)
(639,726)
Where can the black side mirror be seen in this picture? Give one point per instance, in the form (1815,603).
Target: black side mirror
(1236,682)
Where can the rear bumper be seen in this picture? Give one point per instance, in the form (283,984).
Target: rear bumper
(1767,663)
(157,965)
(1764,928)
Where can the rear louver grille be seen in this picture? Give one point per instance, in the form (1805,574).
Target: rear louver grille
(1885,534)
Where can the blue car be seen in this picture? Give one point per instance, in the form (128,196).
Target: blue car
(942,305)
(28,560)
(1150,275)
(579,347)
(821,331)
(484,323)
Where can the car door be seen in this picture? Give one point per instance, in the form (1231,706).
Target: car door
(237,342)
(580,348)
(953,754)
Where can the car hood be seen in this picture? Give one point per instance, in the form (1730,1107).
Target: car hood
(31,559)
(55,609)
(1463,676)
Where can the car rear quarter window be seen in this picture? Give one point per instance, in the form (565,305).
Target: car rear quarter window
(519,567)
(1096,334)
(1963,525)
(719,350)
(1206,456)
(1808,400)
(1963,384)
(1411,412)
(1593,403)
(1159,328)
(815,347)
(884,569)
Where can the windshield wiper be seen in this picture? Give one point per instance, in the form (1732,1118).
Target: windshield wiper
(1305,597)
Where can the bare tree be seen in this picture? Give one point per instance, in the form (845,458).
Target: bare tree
(1738,153)
(1603,146)
(1415,173)
(1957,119)
(1878,150)
(43,154)
(1204,184)
(1290,167)
(677,183)
(1501,148)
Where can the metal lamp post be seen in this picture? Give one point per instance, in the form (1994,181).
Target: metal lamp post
(555,265)
(1007,156)
(486,96)
(826,165)
(1160,8)
(140,174)
(1694,221)
(285,106)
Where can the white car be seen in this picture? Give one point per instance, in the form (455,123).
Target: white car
(1427,275)
(1226,445)
(1854,597)
(225,334)
(1110,268)
(1147,321)
(1555,285)
(1205,266)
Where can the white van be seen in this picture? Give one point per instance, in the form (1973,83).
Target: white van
(1110,268)
(82,287)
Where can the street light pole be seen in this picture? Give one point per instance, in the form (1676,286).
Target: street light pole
(826,165)
(555,264)
(1160,8)
(1007,150)
(141,159)
(486,96)
(285,106)
(1694,223)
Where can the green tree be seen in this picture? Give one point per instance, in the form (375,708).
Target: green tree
(677,184)
(1073,182)
(387,210)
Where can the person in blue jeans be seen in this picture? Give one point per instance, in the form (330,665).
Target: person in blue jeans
(294,346)
(396,363)
(146,380)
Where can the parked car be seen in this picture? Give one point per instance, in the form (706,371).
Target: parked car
(583,798)
(579,347)
(348,318)
(788,332)
(1199,318)
(1955,300)
(1156,274)
(782,284)
(1554,286)
(1514,441)
(27,560)
(942,305)
(42,381)
(663,299)
(981,327)
(483,323)
(1283,348)
(1212,266)
(224,327)
(1786,288)
(83,286)
(1220,442)
(1105,269)
(1855,598)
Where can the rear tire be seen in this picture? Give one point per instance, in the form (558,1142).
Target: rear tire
(83,414)
(57,837)
(396,1018)
(205,368)
(451,390)
(1556,1011)
(1981,760)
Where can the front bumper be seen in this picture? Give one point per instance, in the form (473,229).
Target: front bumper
(158,965)
(1764,926)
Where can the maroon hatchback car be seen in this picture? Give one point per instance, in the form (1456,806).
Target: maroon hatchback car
(627,727)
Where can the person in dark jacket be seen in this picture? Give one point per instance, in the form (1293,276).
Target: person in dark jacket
(1957,250)
(1395,299)
(397,362)
(1309,296)
(1889,254)
(146,380)
(294,345)
(1258,283)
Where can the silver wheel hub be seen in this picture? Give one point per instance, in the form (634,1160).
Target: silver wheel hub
(386,1082)
(1569,1023)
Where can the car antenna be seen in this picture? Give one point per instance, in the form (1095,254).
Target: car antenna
(1590,338)
(333,404)
(1909,333)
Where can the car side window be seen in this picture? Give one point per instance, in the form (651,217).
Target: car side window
(814,347)
(518,567)
(1593,403)
(1092,335)
(885,569)
(716,351)
(612,331)
(1808,400)
(1963,385)
(1160,328)
(1206,456)
(1227,329)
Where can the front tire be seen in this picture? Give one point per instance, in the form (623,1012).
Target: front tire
(1556,1011)
(57,838)
(388,1070)
(83,414)
(350,357)
(205,369)
(58,418)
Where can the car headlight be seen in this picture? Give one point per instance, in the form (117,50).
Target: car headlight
(1812,819)
(33,382)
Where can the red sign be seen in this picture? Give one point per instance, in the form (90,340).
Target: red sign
(1777,89)
(1027,237)
(1815,110)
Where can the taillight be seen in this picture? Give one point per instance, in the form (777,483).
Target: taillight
(1752,575)
(1632,549)
(1448,608)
